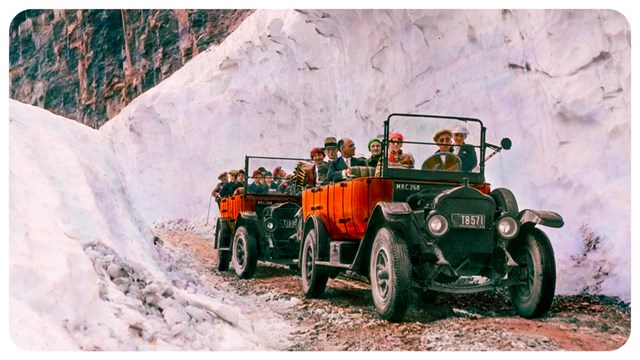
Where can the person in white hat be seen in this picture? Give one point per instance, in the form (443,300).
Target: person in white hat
(466,152)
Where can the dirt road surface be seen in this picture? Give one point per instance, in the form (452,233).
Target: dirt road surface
(344,318)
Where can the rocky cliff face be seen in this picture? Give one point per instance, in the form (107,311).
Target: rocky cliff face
(88,64)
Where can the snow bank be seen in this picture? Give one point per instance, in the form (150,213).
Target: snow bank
(557,82)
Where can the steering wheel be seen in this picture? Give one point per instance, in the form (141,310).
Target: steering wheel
(443,161)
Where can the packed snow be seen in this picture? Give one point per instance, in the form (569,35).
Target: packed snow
(84,272)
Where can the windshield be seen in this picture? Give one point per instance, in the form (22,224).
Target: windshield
(433,146)
(271,175)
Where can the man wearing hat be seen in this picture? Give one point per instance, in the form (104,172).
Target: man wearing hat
(331,150)
(443,140)
(216,191)
(465,152)
(227,188)
(258,186)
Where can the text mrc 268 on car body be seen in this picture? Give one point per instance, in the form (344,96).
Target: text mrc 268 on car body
(428,228)
(259,223)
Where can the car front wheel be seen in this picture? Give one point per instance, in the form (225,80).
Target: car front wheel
(390,271)
(536,271)
(314,280)
(245,253)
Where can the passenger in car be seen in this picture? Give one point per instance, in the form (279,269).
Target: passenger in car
(466,152)
(228,187)
(216,193)
(375,148)
(317,174)
(331,151)
(288,186)
(272,186)
(279,175)
(258,186)
(339,169)
(396,156)
(443,139)
(239,185)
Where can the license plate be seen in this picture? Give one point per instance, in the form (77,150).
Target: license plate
(468,221)
(288,223)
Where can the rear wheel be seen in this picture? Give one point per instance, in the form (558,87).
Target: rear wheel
(245,253)
(537,272)
(224,256)
(390,275)
(314,280)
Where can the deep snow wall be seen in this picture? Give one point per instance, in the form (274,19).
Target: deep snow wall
(557,82)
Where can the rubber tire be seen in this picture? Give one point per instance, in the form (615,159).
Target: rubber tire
(533,252)
(245,253)
(224,256)
(314,281)
(390,275)
(505,200)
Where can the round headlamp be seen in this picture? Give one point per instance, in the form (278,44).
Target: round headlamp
(437,225)
(270,225)
(507,227)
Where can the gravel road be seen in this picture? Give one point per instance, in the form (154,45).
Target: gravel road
(344,318)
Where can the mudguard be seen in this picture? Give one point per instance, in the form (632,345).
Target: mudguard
(222,235)
(249,219)
(396,215)
(530,217)
(315,221)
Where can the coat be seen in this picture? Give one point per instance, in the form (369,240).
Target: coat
(336,167)
(315,180)
(467,154)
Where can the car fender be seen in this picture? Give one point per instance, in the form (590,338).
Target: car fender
(530,217)
(249,219)
(315,222)
(222,229)
(398,216)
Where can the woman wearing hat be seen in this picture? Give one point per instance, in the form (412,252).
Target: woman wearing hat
(396,155)
(375,148)
(317,174)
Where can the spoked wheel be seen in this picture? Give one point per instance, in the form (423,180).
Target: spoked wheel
(390,271)
(314,281)
(224,256)
(245,253)
(537,272)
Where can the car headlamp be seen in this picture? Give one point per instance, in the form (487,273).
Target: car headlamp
(508,227)
(437,224)
(270,225)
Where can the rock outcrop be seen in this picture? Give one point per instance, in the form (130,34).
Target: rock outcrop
(88,64)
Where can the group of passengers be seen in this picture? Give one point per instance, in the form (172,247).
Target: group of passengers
(230,183)
(338,168)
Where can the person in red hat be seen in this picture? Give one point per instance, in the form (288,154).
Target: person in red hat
(223,178)
(396,156)
(279,175)
(317,174)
